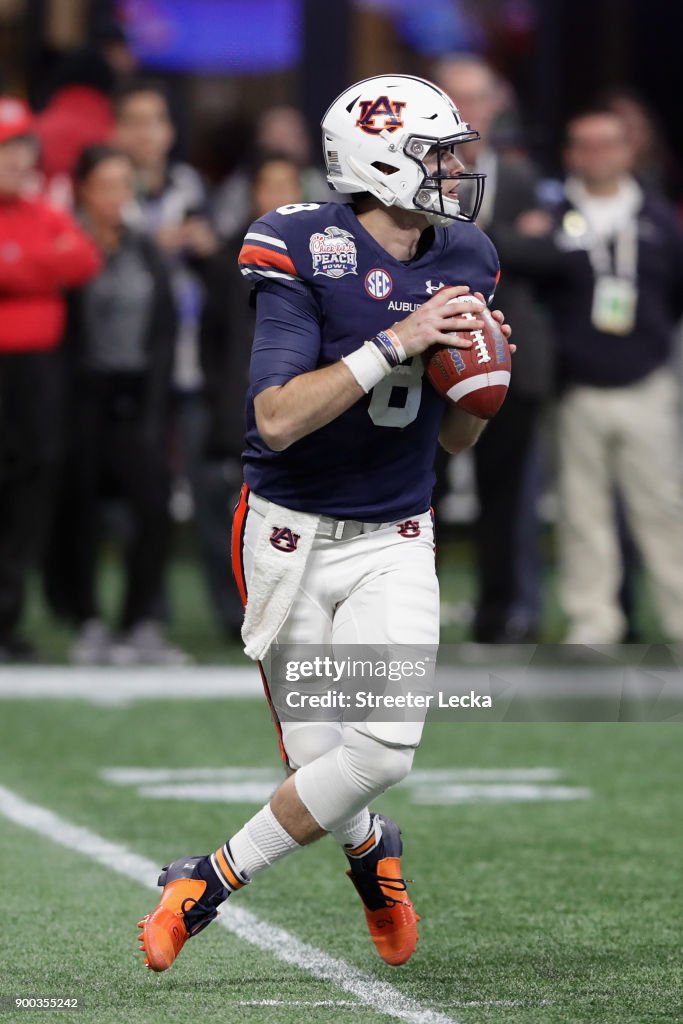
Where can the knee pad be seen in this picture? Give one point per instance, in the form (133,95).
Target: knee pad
(344,780)
(307,741)
(373,765)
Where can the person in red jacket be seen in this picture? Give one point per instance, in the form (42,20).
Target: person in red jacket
(42,252)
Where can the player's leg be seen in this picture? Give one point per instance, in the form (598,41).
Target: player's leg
(649,474)
(316,748)
(285,824)
(194,887)
(394,603)
(590,566)
(353,773)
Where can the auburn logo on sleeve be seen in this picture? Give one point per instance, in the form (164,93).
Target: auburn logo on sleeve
(380,115)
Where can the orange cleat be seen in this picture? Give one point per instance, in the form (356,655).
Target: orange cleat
(185,908)
(389,912)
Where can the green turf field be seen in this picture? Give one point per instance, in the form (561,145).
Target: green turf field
(537,911)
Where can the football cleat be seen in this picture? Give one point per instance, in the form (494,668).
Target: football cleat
(188,904)
(391,917)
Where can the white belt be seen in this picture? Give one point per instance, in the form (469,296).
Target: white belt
(337,529)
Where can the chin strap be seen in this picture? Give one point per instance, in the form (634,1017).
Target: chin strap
(439,219)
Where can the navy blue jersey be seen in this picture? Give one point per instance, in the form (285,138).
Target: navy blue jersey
(323,287)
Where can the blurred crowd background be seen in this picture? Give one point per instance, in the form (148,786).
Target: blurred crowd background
(139,138)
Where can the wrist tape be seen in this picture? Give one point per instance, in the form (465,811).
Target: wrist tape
(375,359)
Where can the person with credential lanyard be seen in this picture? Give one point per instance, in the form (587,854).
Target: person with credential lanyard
(609,230)
(615,256)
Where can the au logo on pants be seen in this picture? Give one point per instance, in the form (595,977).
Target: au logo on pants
(411,528)
(283,539)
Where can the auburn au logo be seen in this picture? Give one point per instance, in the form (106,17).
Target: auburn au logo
(283,539)
(411,528)
(380,115)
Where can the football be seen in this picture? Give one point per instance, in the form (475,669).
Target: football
(475,379)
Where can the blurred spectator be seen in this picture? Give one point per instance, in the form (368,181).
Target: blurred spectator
(170,203)
(79,113)
(276,180)
(283,130)
(653,163)
(655,168)
(227,331)
(503,453)
(42,251)
(617,259)
(507,134)
(119,348)
(280,130)
(112,42)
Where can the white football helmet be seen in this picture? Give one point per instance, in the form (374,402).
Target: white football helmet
(377,135)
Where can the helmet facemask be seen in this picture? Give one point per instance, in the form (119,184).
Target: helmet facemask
(429,197)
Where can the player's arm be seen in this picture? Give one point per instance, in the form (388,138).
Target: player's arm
(310,399)
(291,396)
(459,430)
(288,412)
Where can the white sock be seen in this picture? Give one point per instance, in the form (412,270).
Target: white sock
(354,831)
(368,842)
(260,843)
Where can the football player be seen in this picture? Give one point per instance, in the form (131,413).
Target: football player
(333,537)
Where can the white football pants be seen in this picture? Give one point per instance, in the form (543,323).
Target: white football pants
(376,588)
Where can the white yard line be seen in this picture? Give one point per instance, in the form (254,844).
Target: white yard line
(366,989)
(500,793)
(464,1004)
(308,1003)
(478,1003)
(120,687)
(433,787)
(139,776)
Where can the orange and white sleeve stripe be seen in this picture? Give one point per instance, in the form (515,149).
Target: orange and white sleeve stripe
(264,256)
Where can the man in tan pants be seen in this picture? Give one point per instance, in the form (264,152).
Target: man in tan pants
(623,436)
(614,261)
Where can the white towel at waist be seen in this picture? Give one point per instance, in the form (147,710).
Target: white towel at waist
(282,549)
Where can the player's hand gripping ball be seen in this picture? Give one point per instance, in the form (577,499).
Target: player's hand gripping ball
(475,379)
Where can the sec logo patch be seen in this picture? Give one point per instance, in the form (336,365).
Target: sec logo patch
(378,283)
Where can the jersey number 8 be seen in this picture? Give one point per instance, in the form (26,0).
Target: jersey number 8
(406,378)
